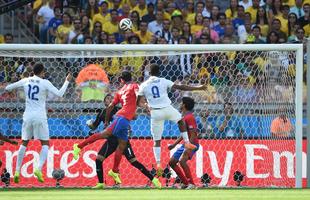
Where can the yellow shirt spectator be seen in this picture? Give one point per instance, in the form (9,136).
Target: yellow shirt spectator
(253,12)
(135,63)
(145,38)
(307,30)
(141,12)
(290,3)
(110,28)
(196,28)
(1,39)
(229,14)
(112,66)
(264,29)
(284,24)
(191,18)
(102,19)
(37,4)
(62,33)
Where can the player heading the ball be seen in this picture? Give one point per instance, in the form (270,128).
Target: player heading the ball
(155,90)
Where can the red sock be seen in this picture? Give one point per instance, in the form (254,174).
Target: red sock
(117,160)
(179,172)
(90,140)
(188,174)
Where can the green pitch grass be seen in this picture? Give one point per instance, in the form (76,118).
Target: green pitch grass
(166,194)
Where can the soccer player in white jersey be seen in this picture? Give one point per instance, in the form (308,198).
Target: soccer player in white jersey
(155,90)
(35,125)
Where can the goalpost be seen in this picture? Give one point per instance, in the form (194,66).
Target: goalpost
(260,81)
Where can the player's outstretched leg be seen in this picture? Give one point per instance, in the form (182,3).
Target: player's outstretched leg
(43,155)
(99,170)
(97,136)
(157,155)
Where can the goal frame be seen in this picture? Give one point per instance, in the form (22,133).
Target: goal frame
(298,48)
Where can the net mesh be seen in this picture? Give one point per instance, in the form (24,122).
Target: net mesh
(247,90)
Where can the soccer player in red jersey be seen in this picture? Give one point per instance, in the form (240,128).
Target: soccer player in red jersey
(120,125)
(182,155)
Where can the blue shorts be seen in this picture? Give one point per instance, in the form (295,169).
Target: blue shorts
(120,127)
(180,151)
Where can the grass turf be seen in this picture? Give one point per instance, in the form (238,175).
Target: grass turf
(141,194)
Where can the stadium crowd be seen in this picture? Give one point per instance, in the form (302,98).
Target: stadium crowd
(234,74)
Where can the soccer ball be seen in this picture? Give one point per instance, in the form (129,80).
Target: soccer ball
(58,174)
(125,24)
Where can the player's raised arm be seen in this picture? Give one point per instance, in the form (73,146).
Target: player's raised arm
(15,85)
(62,90)
(188,88)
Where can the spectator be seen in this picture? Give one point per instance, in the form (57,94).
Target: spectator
(44,15)
(276,10)
(88,40)
(231,12)
(117,6)
(281,126)
(244,31)
(103,38)
(141,8)
(253,10)
(103,16)
(63,30)
(292,21)
(175,32)
(220,28)
(185,60)
(229,33)
(239,20)
(208,9)
(76,35)
(212,34)
(96,32)
(53,25)
(165,32)
(92,8)
(189,12)
(143,34)
(214,15)
(149,17)
(125,12)
(156,26)
(1,39)
(300,36)
(272,38)
(186,32)
(171,7)
(198,23)
(245,3)
(111,39)
(298,9)
(111,27)
(204,39)
(86,25)
(305,20)
(161,7)
(256,32)
(176,19)
(228,125)
(276,26)
(8,38)
(135,18)
(262,21)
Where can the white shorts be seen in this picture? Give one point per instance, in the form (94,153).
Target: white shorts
(37,128)
(158,117)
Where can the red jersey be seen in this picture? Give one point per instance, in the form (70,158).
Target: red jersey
(127,97)
(191,126)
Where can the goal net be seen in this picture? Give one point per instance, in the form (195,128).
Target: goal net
(249,121)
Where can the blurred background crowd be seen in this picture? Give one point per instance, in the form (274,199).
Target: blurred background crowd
(233,76)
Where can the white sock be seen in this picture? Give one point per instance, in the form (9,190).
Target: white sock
(156,151)
(43,156)
(185,137)
(20,157)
